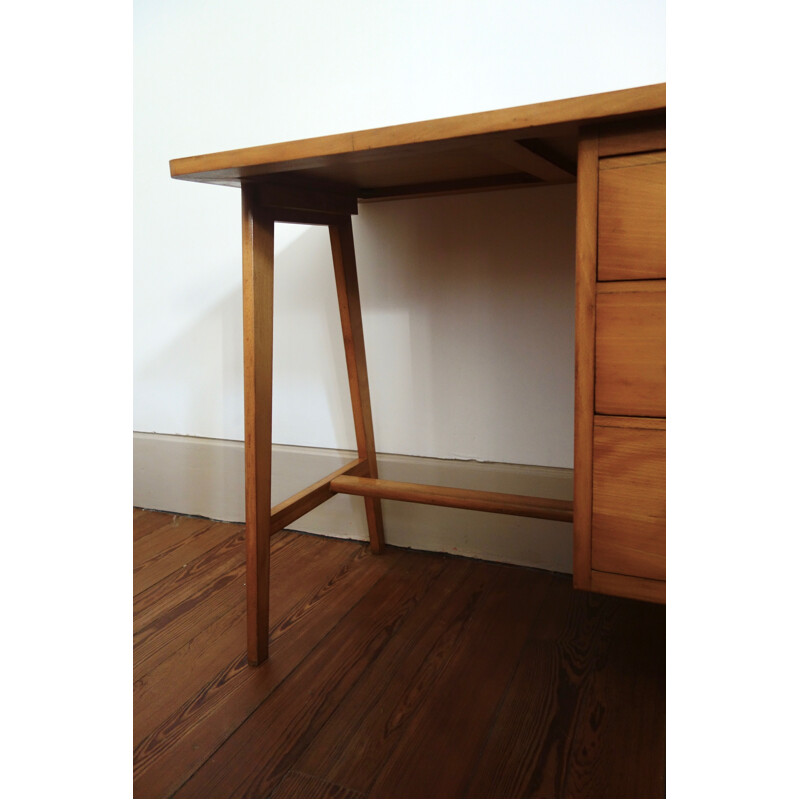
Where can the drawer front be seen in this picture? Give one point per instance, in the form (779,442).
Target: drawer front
(631,220)
(630,369)
(628,502)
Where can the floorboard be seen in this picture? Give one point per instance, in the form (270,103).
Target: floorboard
(408,674)
(145,522)
(176,554)
(297,784)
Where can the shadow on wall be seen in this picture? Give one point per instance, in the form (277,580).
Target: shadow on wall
(468,314)
(201,370)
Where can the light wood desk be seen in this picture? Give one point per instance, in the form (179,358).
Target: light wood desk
(614,146)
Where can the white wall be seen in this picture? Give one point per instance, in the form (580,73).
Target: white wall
(458,368)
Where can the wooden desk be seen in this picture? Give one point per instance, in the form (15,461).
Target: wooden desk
(614,146)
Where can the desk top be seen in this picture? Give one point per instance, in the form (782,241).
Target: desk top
(531,144)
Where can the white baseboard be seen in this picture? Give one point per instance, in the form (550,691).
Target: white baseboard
(205,477)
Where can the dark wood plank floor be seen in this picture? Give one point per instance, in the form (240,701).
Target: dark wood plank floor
(403,675)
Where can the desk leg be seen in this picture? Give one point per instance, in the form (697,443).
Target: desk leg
(257,283)
(344,265)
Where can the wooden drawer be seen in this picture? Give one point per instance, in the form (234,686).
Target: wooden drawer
(630,354)
(629,500)
(631,220)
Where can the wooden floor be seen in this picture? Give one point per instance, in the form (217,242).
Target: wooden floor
(403,675)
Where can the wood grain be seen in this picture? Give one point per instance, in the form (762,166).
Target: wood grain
(629,502)
(636,160)
(648,423)
(308,499)
(314,592)
(203,535)
(529,751)
(411,675)
(623,287)
(634,136)
(229,167)
(182,674)
(351,748)
(652,591)
(173,531)
(520,505)
(321,199)
(509,151)
(277,732)
(298,784)
(173,611)
(448,731)
(146,521)
(257,290)
(631,350)
(344,268)
(625,702)
(411,191)
(585,280)
(632,220)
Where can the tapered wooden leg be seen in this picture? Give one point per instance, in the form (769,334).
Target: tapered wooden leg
(344,265)
(257,283)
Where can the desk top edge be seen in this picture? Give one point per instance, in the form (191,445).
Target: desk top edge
(221,167)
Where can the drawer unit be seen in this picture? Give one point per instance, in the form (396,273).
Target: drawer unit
(620,383)
(630,349)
